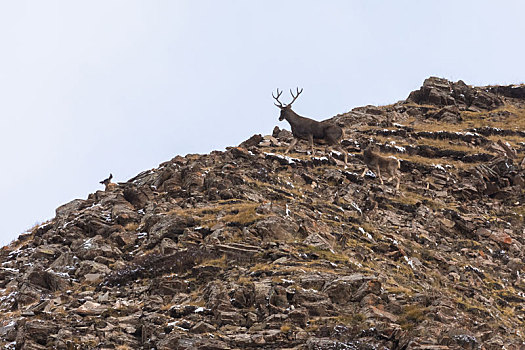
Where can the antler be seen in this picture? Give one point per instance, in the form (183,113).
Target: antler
(280,105)
(295,97)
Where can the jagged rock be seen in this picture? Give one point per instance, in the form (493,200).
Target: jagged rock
(279,297)
(124,214)
(167,246)
(252,141)
(317,241)
(67,209)
(88,249)
(91,308)
(8,330)
(203,327)
(230,318)
(299,316)
(169,227)
(138,196)
(47,280)
(251,248)
(276,228)
(368,287)
(35,334)
(282,135)
(441,92)
(341,290)
(448,114)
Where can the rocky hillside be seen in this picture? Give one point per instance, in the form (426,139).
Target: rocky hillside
(248,248)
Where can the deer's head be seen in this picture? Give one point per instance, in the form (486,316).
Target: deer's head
(285,109)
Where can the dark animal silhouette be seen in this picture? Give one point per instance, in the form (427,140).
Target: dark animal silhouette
(308,129)
(107,182)
(375,162)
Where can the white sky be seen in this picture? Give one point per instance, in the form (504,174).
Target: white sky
(92,87)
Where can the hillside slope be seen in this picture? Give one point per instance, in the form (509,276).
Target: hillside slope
(248,248)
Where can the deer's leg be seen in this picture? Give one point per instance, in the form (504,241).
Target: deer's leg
(311,140)
(342,150)
(397,185)
(294,141)
(379,175)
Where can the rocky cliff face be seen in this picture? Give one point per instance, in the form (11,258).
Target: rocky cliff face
(248,248)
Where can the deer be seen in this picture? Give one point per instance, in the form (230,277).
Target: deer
(375,162)
(324,132)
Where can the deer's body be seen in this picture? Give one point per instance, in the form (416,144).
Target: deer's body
(322,132)
(375,162)
(310,130)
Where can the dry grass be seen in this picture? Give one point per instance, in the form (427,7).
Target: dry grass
(219,262)
(285,328)
(435,161)
(514,121)
(132,226)
(450,145)
(241,213)
(412,316)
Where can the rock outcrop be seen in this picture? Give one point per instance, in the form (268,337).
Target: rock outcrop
(248,248)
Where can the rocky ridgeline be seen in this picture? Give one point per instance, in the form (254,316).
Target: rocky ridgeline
(248,248)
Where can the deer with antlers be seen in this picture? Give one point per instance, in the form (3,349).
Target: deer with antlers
(308,129)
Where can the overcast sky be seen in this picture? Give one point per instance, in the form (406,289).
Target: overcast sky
(93,87)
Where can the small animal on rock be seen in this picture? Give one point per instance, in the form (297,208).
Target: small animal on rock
(324,132)
(107,182)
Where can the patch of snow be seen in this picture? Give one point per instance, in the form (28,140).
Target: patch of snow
(11,295)
(11,345)
(400,149)
(473,268)
(88,244)
(465,338)
(288,212)
(10,269)
(368,235)
(107,217)
(410,262)
(174,324)
(199,309)
(356,207)
(370,173)
(61,274)
(290,160)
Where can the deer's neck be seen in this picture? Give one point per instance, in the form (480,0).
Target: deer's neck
(293,118)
